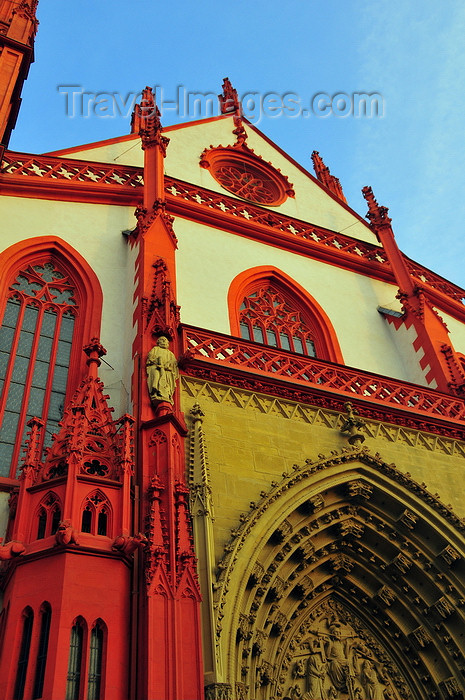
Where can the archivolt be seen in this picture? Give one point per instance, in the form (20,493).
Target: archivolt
(354,535)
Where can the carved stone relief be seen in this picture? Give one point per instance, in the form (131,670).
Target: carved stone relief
(337,659)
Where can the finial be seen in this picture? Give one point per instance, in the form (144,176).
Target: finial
(94,351)
(352,425)
(197,413)
(229,101)
(377,215)
(33,452)
(146,122)
(324,176)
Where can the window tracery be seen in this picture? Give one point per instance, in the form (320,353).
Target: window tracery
(267,317)
(35,347)
(240,171)
(48,516)
(96,514)
(269,307)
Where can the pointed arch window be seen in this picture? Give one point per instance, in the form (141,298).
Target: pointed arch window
(46,617)
(86,525)
(48,516)
(102,522)
(50,306)
(42,524)
(35,347)
(96,514)
(23,660)
(73,679)
(95,661)
(267,306)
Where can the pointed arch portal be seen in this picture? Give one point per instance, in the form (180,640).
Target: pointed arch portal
(346,580)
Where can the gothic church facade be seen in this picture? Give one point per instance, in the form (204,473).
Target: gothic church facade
(228,403)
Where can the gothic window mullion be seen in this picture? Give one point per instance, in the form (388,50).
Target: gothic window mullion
(26,387)
(10,350)
(61,362)
(51,369)
(279,322)
(9,340)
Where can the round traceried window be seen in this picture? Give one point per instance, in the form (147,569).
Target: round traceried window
(247,176)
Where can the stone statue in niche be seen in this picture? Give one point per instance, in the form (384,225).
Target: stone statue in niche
(342,661)
(162,372)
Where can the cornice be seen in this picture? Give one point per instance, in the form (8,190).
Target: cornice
(382,426)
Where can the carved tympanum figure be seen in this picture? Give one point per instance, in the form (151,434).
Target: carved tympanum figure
(373,688)
(342,660)
(316,674)
(162,371)
(336,653)
(299,669)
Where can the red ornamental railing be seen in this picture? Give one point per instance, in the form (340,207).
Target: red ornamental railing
(67,169)
(130,179)
(279,222)
(225,351)
(431,279)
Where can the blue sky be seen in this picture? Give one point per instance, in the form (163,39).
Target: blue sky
(411,53)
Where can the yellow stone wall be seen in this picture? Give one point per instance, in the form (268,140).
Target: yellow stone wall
(247,443)
(251,439)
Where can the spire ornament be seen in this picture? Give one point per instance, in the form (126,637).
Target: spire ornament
(147,123)
(377,215)
(323,174)
(229,100)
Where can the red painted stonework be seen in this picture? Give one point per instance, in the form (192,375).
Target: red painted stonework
(444,369)
(169,664)
(71,566)
(100,533)
(18,23)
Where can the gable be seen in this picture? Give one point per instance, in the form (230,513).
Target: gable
(312,202)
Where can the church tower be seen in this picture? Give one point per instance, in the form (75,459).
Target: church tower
(18,27)
(69,561)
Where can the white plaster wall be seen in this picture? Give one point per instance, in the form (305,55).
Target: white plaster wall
(404,338)
(311,202)
(127,152)
(209,259)
(456,331)
(95,232)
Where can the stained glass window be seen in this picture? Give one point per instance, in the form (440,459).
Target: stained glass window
(46,616)
(95,663)
(267,317)
(23,659)
(73,679)
(35,346)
